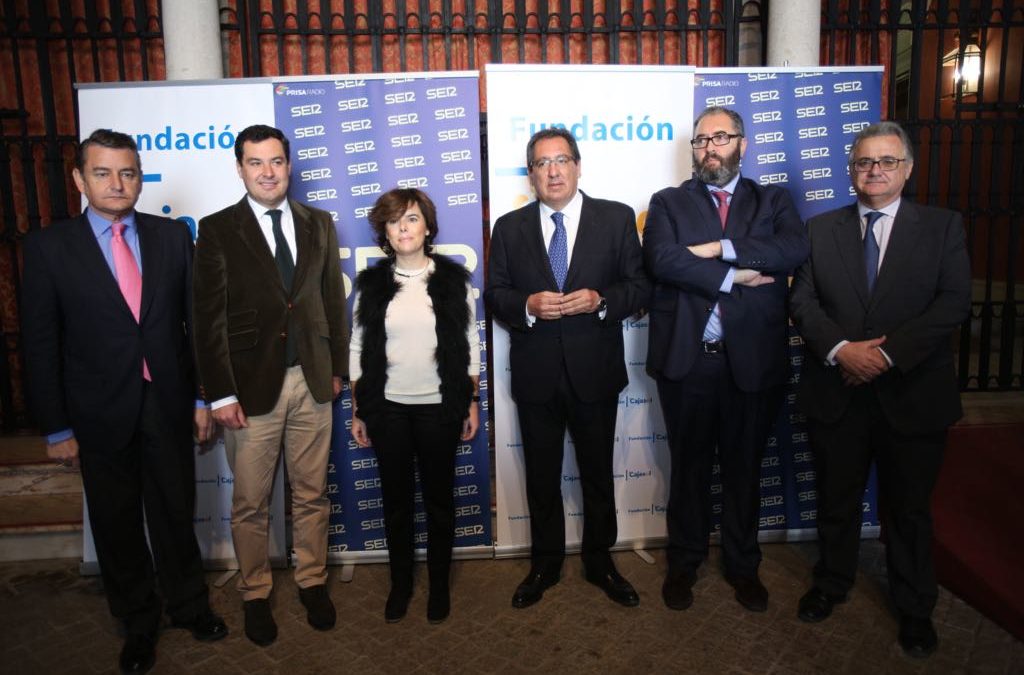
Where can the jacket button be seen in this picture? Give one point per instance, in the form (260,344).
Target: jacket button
(290,306)
(708,309)
(284,335)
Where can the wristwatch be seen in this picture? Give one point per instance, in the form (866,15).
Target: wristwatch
(602,306)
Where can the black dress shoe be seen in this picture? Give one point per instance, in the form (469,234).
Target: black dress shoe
(319,609)
(615,587)
(917,636)
(750,593)
(397,604)
(205,626)
(532,588)
(138,654)
(259,622)
(677,591)
(438,605)
(816,605)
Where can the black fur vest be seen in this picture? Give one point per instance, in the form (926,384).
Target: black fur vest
(446,287)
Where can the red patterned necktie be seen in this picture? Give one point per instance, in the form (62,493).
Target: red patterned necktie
(128,278)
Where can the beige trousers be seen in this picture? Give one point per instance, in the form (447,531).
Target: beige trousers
(303,428)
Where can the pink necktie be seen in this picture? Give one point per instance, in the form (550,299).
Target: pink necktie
(722,197)
(128,278)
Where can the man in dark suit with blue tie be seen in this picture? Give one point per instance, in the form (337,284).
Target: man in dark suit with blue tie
(720,249)
(887,283)
(107,325)
(564,272)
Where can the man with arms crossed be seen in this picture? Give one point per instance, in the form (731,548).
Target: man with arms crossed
(887,283)
(564,272)
(272,347)
(107,321)
(720,249)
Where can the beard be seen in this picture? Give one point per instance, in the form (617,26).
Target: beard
(727,168)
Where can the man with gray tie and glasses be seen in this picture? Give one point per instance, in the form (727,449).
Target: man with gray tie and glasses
(887,283)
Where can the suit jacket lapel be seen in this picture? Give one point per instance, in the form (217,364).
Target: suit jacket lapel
(585,235)
(251,236)
(906,231)
(850,245)
(87,250)
(303,241)
(152,260)
(536,246)
(709,219)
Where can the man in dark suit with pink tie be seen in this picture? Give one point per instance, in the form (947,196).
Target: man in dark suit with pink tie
(107,326)
(720,248)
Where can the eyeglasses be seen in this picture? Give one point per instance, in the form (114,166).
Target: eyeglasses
(721,138)
(545,162)
(866,164)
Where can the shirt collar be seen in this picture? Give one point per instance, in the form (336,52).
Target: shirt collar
(571,210)
(729,187)
(889,209)
(101,225)
(259,209)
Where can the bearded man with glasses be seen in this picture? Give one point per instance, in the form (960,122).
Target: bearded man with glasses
(720,249)
(886,284)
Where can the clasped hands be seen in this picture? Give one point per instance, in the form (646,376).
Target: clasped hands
(743,276)
(861,362)
(550,305)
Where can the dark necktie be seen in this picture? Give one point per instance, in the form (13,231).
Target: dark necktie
(282,254)
(722,197)
(871,250)
(558,251)
(286,267)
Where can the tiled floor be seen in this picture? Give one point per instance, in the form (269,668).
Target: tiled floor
(54,621)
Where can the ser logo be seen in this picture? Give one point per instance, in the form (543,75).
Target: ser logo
(762,96)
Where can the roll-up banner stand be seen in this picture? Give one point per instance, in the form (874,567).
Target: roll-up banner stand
(633,125)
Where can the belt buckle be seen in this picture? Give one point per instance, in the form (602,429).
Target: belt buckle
(714,347)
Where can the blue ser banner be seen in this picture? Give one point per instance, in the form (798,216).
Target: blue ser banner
(799,126)
(354,138)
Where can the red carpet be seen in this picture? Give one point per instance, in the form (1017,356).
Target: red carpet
(978,506)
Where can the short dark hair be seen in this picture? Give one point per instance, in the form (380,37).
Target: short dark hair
(553,132)
(256,134)
(885,128)
(737,120)
(391,205)
(107,138)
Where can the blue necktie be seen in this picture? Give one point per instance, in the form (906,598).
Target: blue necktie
(558,251)
(871,250)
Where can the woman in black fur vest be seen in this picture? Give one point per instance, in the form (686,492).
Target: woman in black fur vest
(414,363)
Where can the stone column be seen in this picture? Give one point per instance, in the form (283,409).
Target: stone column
(794,33)
(192,46)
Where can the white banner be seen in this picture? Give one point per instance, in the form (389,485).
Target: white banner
(633,139)
(186,137)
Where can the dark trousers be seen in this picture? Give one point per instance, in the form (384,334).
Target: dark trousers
(407,437)
(703,411)
(908,468)
(591,426)
(153,474)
